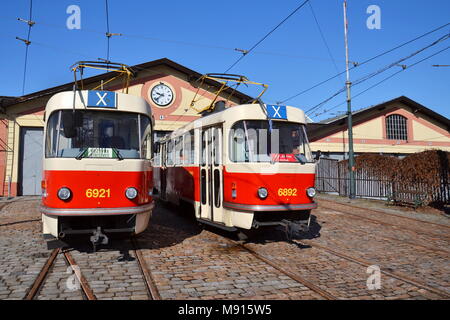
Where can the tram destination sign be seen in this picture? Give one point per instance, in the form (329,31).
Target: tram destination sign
(102,99)
(276,112)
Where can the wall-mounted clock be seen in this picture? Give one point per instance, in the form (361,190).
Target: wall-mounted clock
(161,94)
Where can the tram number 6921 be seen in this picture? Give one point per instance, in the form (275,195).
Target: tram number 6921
(287,192)
(98,193)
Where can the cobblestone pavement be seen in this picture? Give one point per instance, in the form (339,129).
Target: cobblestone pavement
(418,257)
(188,262)
(112,272)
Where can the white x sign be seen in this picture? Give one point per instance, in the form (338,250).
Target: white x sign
(276,112)
(101,98)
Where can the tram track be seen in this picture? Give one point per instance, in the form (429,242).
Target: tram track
(293,276)
(40,279)
(387,214)
(411,243)
(84,288)
(324,293)
(38,284)
(380,222)
(365,263)
(84,285)
(146,274)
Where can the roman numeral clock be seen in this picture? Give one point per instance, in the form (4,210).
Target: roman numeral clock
(161,95)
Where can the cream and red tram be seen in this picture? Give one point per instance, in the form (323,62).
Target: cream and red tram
(97,176)
(241,168)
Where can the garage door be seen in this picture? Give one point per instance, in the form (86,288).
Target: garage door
(30,164)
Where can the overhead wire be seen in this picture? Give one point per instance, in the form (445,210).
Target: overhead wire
(373,74)
(107,30)
(384,79)
(27,44)
(323,37)
(364,62)
(247,52)
(184,43)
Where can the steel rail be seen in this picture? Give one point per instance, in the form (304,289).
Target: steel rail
(387,214)
(38,282)
(397,275)
(411,243)
(18,222)
(274,265)
(146,274)
(82,280)
(386,223)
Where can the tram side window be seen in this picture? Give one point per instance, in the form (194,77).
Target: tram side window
(189,148)
(146,136)
(179,155)
(157,155)
(203,149)
(170,153)
(51,136)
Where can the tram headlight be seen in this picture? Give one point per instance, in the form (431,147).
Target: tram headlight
(131,193)
(262,193)
(311,192)
(64,193)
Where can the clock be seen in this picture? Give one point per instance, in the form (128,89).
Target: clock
(161,94)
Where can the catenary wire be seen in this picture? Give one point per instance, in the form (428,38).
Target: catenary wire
(265,37)
(364,62)
(383,80)
(373,74)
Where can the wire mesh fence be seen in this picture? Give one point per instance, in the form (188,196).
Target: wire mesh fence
(332,176)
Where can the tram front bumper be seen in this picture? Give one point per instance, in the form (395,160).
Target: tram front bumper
(95,211)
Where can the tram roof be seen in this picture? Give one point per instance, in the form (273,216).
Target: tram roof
(236,113)
(123,102)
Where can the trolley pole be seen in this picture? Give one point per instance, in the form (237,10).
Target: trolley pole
(351,159)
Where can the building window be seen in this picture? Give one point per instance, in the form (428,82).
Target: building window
(396,127)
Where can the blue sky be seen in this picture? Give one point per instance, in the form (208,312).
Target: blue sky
(291,59)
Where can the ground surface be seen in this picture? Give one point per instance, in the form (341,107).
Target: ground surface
(410,248)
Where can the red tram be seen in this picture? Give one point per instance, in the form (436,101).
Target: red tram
(245,167)
(97,165)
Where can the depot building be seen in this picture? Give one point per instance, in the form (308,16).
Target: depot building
(397,127)
(22,118)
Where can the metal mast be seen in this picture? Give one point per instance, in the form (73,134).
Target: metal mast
(351,159)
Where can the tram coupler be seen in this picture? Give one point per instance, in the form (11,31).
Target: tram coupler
(98,238)
(293,228)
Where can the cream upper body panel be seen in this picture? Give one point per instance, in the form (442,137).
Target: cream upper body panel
(241,112)
(124,102)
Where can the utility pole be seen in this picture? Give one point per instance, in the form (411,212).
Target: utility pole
(351,159)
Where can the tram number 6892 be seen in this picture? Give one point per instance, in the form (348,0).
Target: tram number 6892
(287,192)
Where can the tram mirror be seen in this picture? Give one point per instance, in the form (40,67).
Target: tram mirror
(318,154)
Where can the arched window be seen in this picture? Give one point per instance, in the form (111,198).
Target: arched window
(396,127)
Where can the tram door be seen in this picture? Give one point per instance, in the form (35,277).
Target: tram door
(211,168)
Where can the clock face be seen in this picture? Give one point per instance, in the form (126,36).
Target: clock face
(162,95)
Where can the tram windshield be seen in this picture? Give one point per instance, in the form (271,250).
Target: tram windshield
(269,141)
(98,134)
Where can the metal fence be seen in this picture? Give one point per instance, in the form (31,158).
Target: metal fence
(332,177)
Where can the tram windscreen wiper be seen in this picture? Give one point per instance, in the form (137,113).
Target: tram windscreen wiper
(81,154)
(119,156)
